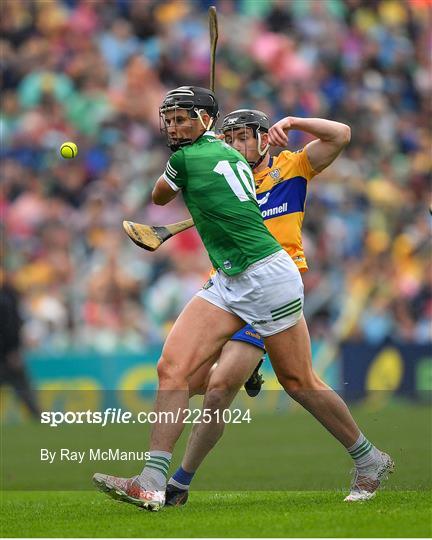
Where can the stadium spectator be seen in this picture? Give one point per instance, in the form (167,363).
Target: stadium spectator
(95,74)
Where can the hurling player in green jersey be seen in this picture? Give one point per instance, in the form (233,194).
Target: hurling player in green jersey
(256,282)
(218,188)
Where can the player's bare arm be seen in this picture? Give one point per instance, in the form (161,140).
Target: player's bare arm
(163,193)
(332,137)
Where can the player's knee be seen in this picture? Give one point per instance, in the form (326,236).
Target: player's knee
(224,385)
(296,385)
(168,372)
(163,369)
(218,396)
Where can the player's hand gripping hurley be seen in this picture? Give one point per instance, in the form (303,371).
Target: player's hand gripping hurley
(150,237)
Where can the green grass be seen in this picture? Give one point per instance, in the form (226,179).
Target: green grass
(258,514)
(280,475)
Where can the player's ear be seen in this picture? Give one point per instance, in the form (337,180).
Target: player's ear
(264,140)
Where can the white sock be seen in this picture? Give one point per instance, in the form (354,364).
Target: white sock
(155,471)
(364,453)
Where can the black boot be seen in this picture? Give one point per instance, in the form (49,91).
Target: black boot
(255,381)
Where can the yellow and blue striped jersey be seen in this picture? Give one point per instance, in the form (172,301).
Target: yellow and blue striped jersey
(281,194)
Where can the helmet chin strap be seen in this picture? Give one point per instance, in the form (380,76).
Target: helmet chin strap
(209,125)
(262,152)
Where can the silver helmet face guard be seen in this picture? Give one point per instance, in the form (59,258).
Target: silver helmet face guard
(257,134)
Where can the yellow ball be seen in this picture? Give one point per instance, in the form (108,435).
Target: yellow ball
(68,150)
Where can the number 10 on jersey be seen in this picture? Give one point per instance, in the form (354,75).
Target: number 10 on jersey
(242,183)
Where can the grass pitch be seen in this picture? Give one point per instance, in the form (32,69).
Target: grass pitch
(281,476)
(207,514)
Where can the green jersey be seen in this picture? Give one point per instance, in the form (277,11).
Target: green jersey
(219,190)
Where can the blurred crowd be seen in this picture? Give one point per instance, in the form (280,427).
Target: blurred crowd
(95,71)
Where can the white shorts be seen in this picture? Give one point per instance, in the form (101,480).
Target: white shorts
(268,295)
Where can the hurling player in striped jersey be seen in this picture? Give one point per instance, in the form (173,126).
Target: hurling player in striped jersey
(281,184)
